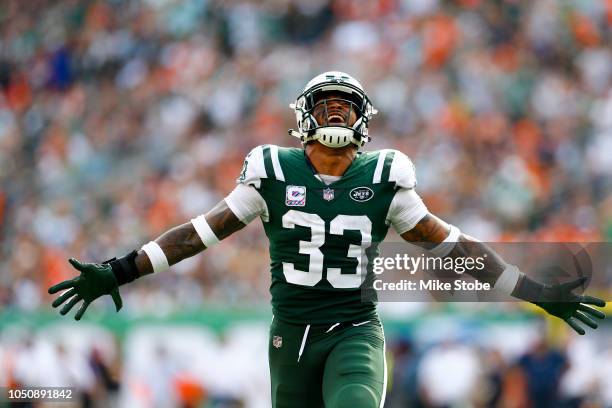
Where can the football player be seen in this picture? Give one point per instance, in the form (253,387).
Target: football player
(324,207)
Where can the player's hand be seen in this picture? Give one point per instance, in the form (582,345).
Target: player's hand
(559,300)
(94,281)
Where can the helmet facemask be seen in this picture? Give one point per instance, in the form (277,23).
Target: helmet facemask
(334,111)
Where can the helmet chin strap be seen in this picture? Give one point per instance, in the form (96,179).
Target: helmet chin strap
(334,136)
(331,136)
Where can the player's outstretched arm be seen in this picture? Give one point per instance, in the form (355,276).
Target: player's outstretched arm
(558,300)
(176,244)
(184,241)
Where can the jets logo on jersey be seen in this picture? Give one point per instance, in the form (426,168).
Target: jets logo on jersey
(361,194)
(295,196)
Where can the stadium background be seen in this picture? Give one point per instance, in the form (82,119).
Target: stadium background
(120,119)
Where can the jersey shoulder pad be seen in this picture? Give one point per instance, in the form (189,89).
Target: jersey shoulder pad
(402,172)
(261,163)
(395,167)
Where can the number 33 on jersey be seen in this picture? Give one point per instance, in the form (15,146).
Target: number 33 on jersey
(322,237)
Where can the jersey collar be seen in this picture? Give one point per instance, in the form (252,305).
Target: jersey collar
(346,175)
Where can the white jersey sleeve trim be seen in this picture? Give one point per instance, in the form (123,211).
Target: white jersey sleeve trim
(406,210)
(247,204)
(253,169)
(278,170)
(402,171)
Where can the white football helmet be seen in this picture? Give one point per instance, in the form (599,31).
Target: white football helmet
(332,134)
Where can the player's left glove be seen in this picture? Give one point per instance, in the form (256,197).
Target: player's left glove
(94,281)
(560,300)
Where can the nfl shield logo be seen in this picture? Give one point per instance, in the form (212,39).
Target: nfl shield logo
(277,341)
(328,194)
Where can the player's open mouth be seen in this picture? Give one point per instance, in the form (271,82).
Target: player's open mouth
(335,118)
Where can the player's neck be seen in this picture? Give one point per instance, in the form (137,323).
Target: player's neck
(328,160)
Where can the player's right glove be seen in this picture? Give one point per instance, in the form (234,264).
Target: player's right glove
(94,281)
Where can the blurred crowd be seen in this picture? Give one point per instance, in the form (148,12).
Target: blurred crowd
(468,373)
(120,119)
(504,365)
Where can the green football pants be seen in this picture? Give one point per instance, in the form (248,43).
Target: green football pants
(331,366)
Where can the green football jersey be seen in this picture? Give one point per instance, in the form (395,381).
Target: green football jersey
(323,238)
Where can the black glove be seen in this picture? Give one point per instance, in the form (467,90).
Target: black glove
(559,300)
(94,281)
